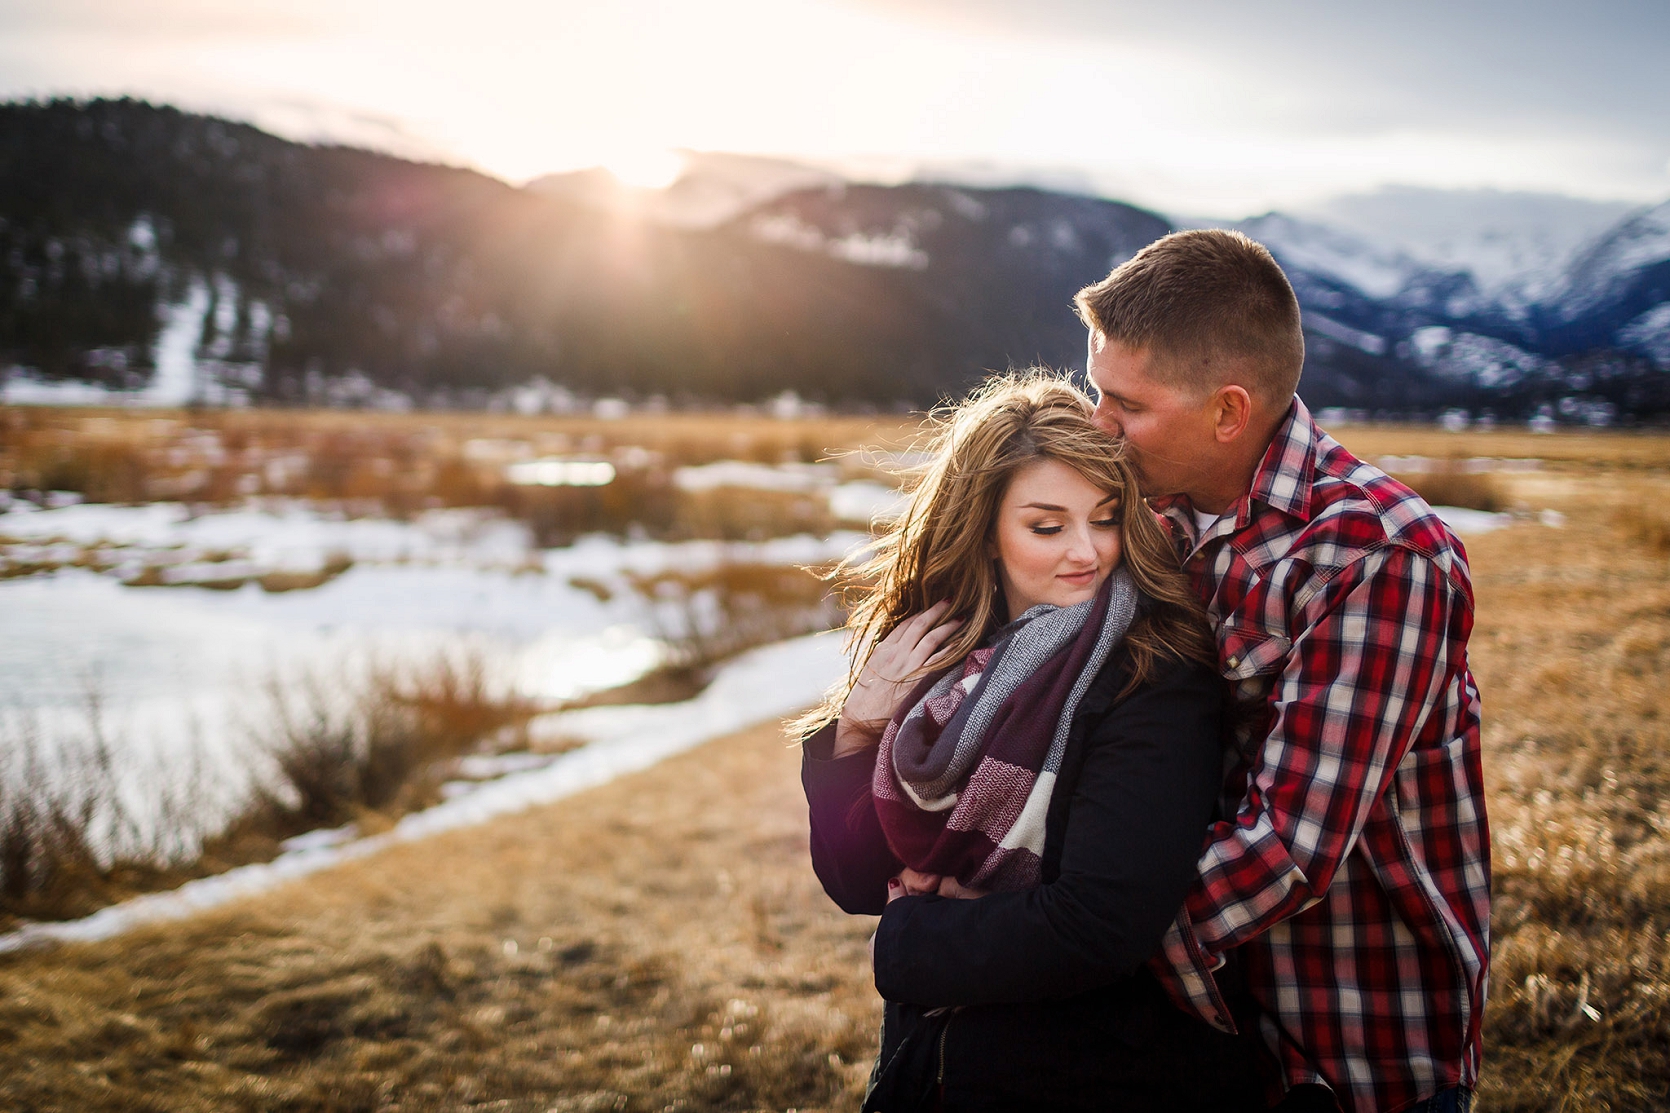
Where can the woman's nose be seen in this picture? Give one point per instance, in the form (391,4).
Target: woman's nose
(1081,546)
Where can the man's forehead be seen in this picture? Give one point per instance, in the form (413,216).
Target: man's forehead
(1110,361)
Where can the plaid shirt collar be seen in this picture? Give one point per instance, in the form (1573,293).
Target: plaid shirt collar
(1282,481)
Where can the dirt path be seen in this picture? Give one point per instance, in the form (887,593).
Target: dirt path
(658,943)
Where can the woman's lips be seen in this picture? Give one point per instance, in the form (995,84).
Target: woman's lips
(1078,579)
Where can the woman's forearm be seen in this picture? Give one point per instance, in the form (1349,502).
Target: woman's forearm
(849,851)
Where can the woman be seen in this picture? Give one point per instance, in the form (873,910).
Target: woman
(1032,719)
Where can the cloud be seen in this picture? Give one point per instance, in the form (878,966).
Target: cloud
(1210,106)
(173,20)
(1542,63)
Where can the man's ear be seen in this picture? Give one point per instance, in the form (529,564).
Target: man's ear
(1232,411)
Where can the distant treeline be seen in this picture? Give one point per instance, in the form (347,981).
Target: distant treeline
(313,265)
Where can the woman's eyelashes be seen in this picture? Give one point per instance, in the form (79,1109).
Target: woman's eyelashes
(1043,529)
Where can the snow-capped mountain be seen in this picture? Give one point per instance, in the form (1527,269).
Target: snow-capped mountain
(1497,294)
(1515,246)
(1616,290)
(137,242)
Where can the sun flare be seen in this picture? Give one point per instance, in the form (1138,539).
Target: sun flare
(645,169)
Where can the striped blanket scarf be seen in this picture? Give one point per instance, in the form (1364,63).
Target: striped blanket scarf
(964,774)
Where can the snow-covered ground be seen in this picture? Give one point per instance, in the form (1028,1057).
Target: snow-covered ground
(178,670)
(767,683)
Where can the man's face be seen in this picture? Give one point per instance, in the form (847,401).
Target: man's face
(1169,430)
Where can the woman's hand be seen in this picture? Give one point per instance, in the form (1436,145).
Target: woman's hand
(912,883)
(898,661)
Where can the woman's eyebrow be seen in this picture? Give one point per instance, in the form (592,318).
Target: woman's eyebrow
(1062,509)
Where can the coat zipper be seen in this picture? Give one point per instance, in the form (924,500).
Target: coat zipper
(940,1077)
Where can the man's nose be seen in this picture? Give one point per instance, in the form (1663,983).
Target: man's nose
(1103,418)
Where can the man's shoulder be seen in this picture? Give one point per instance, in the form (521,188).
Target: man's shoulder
(1357,509)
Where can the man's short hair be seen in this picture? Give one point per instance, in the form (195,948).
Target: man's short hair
(1209,306)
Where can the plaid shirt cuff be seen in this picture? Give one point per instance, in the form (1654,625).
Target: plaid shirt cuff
(1185,971)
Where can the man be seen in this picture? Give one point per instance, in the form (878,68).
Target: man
(1351,873)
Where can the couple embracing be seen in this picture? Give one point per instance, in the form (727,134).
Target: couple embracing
(1159,755)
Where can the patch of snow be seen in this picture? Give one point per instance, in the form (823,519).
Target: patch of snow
(1464,521)
(1483,360)
(1429,343)
(890,249)
(763,477)
(175,381)
(482,767)
(1345,334)
(24,389)
(767,683)
(1650,335)
(283,534)
(867,501)
(1603,271)
(1319,249)
(895,248)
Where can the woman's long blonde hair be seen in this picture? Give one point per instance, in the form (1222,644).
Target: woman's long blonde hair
(939,549)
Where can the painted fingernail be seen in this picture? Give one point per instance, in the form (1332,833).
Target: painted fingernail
(893,883)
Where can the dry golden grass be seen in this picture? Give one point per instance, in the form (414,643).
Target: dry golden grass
(400,461)
(655,944)
(678,903)
(1596,451)
(1572,654)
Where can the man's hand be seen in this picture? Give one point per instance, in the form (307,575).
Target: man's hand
(898,661)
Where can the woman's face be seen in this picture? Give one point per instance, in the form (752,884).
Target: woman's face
(1057,537)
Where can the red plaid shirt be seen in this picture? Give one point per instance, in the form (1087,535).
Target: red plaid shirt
(1353,872)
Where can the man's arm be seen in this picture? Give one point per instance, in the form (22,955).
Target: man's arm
(1357,687)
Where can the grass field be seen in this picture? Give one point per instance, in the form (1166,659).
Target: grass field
(660,943)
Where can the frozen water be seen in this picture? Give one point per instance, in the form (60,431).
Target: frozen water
(764,684)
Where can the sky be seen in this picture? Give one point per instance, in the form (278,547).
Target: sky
(1210,107)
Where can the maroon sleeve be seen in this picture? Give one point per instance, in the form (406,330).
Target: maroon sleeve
(849,851)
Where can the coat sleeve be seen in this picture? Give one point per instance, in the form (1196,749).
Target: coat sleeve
(849,852)
(1135,825)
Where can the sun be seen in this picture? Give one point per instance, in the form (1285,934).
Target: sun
(645,169)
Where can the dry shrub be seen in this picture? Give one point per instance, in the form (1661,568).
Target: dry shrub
(637,501)
(74,835)
(80,829)
(747,514)
(383,746)
(1647,523)
(1451,487)
(403,463)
